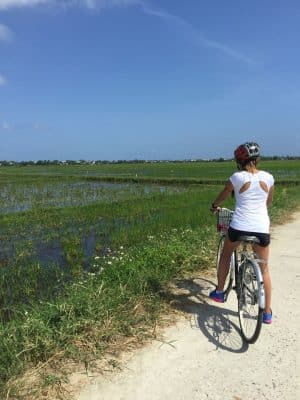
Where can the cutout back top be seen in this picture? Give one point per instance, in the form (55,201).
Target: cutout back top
(251,193)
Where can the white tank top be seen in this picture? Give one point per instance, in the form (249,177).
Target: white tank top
(251,213)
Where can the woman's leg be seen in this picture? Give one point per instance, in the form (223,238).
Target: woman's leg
(224,262)
(263,254)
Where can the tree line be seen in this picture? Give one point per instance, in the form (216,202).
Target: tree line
(6,163)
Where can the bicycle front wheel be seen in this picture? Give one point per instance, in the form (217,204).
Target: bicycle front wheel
(250,312)
(229,278)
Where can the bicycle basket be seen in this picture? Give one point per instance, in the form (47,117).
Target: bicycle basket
(224,217)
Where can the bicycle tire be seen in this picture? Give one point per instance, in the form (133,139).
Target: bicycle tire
(249,310)
(229,278)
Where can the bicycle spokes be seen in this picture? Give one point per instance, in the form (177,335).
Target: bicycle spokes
(250,313)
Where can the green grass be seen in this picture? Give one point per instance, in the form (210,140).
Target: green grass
(120,298)
(283,170)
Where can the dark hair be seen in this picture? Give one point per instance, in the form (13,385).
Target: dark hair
(251,161)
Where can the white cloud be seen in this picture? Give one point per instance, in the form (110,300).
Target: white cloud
(91,4)
(101,4)
(5,33)
(6,4)
(2,80)
(195,35)
(25,126)
(187,29)
(5,126)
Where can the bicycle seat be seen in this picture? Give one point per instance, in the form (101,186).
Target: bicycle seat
(249,239)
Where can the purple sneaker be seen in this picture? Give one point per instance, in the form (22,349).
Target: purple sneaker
(267,317)
(219,297)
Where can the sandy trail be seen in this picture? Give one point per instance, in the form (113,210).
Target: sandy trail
(203,357)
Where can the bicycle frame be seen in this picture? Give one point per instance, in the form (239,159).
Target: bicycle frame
(246,256)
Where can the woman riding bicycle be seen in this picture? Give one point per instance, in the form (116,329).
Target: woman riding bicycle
(253,190)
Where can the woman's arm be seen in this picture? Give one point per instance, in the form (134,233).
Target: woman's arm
(270,196)
(228,188)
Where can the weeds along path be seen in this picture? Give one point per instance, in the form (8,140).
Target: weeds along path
(203,357)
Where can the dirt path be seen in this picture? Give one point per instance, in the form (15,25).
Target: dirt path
(203,357)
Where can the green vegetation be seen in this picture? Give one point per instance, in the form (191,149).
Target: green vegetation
(200,171)
(85,265)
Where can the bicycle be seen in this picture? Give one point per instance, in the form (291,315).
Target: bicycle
(245,278)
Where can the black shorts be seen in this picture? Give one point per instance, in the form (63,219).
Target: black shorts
(234,234)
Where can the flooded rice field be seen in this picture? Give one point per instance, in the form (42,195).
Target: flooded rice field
(61,222)
(18,196)
(53,230)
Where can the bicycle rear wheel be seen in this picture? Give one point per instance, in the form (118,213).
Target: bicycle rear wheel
(229,278)
(250,313)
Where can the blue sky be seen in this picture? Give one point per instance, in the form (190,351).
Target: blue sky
(126,79)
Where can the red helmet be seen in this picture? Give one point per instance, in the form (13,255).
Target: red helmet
(246,151)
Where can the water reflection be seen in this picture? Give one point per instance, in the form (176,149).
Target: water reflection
(18,197)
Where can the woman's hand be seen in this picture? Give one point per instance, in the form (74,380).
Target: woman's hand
(214,208)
